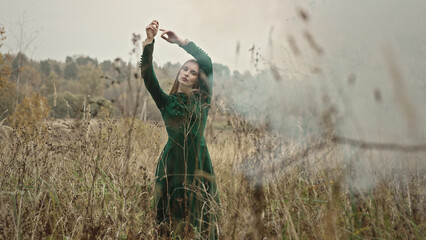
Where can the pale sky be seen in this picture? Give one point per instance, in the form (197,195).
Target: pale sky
(103,29)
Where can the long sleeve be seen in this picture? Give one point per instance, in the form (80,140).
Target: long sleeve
(206,81)
(148,75)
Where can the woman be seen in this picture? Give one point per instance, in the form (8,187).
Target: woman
(185,188)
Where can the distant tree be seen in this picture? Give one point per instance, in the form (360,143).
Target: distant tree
(66,105)
(49,85)
(57,69)
(7,88)
(171,69)
(31,111)
(81,61)
(7,99)
(108,70)
(221,70)
(71,70)
(30,79)
(106,66)
(5,69)
(45,67)
(236,74)
(68,59)
(18,62)
(58,106)
(90,81)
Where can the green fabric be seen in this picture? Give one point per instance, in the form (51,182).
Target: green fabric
(185,186)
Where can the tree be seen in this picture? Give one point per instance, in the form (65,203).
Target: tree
(221,70)
(90,81)
(5,69)
(68,59)
(71,70)
(7,93)
(81,61)
(7,99)
(49,85)
(57,69)
(18,62)
(31,111)
(106,66)
(30,79)
(45,67)
(65,105)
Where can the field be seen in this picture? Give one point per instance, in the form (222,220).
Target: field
(93,179)
(320,136)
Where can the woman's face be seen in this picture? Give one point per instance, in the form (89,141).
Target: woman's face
(188,75)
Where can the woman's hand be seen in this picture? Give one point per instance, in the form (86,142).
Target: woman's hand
(172,37)
(151,30)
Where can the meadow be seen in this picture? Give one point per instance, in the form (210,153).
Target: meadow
(93,179)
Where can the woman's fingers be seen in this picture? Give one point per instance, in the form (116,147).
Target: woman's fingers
(152,29)
(165,36)
(165,33)
(154,24)
(164,30)
(168,35)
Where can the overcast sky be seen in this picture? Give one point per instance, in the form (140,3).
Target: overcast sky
(103,29)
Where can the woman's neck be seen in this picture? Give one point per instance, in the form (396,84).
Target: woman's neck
(185,89)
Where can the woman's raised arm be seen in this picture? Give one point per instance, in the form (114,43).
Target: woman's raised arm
(147,69)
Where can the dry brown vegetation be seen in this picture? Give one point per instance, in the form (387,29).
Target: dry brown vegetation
(80,179)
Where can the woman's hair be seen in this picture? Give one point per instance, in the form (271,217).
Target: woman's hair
(176,83)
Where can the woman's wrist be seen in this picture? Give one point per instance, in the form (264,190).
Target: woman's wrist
(147,41)
(182,42)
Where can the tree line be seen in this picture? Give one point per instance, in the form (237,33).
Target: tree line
(80,83)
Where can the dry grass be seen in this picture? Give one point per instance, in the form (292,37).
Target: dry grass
(78,180)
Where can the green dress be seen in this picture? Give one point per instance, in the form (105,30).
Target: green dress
(185,186)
